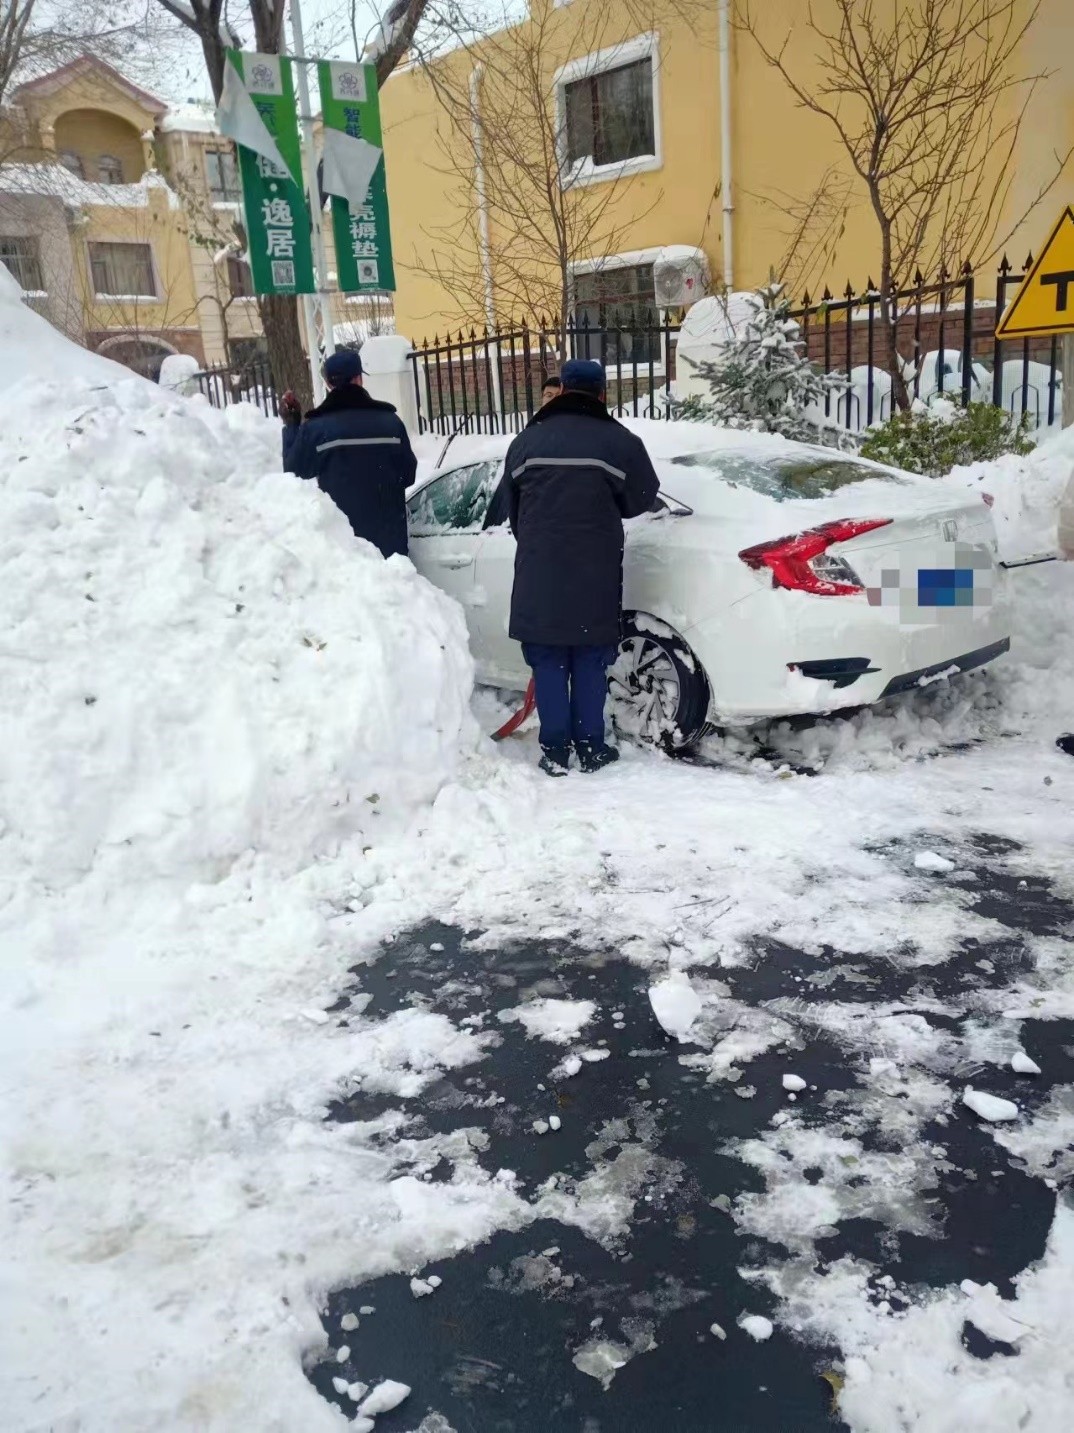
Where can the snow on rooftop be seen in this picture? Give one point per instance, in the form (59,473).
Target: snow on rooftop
(193,117)
(57,182)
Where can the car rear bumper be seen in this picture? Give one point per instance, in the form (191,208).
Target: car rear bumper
(781,653)
(966,663)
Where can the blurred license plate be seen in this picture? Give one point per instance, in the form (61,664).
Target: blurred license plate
(945,587)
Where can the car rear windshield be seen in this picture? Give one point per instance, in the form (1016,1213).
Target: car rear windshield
(782,477)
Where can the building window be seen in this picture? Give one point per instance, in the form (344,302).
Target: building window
(249,357)
(21,258)
(109,169)
(240,280)
(122,270)
(222,174)
(608,112)
(616,317)
(73,162)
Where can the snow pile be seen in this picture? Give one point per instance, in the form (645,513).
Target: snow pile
(199,658)
(1027,493)
(216,706)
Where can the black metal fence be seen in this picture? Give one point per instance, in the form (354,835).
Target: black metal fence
(491,382)
(945,331)
(247,382)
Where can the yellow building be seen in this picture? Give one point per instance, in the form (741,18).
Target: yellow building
(687,159)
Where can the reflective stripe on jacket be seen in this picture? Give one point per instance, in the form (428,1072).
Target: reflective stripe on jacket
(358,451)
(572,476)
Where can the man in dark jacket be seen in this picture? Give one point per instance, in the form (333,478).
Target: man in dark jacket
(572,476)
(358,451)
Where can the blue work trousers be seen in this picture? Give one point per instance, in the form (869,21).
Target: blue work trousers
(571,685)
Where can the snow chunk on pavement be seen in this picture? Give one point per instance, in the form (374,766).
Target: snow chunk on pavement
(1021,1064)
(420,1287)
(756,1325)
(602,1358)
(676,1004)
(558,1021)
(409,1049)
(934,863)
(989,1107)
(794,1083)
(384,1398)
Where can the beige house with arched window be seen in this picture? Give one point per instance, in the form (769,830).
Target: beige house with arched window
(88,225)
(120,217)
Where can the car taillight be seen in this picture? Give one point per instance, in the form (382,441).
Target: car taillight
(802,562)
(987,499)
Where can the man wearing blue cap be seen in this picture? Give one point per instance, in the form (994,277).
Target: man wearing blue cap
(357,449)
(572,476)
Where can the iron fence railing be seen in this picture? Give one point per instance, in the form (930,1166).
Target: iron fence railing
(247,382)
(490,382)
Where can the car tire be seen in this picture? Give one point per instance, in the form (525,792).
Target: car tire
(658,691)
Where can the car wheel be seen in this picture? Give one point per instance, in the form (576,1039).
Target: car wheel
(659,693)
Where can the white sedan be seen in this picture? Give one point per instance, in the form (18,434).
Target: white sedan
(772,579)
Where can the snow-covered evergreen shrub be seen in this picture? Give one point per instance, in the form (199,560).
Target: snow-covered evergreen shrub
(761,380)
(933,440)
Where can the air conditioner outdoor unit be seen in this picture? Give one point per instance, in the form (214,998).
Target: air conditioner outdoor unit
(679,282)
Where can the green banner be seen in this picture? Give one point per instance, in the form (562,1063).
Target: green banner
(350,105)
(277,215)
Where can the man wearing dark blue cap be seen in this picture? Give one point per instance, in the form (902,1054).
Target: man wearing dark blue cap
(357,449)
(572,476)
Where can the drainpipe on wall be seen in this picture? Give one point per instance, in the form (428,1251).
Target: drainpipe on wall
(483,241)
(481,195)
(725,146)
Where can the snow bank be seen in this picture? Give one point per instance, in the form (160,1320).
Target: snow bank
(215,706)
(1027,493)
(198,657)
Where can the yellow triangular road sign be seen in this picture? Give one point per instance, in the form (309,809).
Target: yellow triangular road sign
(1044,303)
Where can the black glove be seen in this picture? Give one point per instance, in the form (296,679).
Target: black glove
(290,409)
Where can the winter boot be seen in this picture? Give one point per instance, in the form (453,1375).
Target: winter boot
(1066,742)
(556,760)
(594,755)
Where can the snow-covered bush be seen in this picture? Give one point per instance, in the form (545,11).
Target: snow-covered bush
(761,380)
(933,440)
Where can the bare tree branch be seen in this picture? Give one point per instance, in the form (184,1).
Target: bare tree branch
(929,111)
(502,142)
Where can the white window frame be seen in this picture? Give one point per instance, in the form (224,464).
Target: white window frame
(633,259)
(153,298)
(34,244)
(225,203)
(642,47)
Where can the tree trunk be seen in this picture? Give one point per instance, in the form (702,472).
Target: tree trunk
(287,357)
(279,312)
(212,47)
(889,323)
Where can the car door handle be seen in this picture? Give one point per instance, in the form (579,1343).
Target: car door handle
(456,560)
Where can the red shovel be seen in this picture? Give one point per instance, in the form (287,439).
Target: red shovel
(512,724)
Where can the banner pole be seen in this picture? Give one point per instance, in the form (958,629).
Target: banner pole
(321,339)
